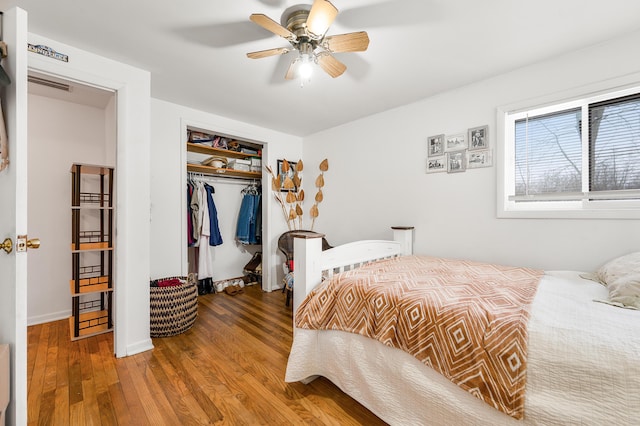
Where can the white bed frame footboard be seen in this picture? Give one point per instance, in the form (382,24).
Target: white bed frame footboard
(311,263)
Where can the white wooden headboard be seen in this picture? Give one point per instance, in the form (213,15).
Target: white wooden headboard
(311,262)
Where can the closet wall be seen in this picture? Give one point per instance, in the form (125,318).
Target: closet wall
(60,133)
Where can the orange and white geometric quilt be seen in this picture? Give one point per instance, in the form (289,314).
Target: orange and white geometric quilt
(467,320)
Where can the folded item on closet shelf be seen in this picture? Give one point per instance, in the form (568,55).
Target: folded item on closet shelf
(199,137)
(215,161)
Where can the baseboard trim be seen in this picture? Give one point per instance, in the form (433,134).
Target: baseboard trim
(136,348)
(54,316)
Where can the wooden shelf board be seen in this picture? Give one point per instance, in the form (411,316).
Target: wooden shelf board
(86,206)
(91,246)
(223,172)
(91,169)
(98,328)
(91,285)
(204,149)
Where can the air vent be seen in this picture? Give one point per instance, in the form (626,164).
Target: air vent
(49,83)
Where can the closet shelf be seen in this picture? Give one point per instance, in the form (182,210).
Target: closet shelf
(91,247)
(91,169)
(90,324)
(86,250)
(90,285)
(204,149)
(90,207)
(91,240)
(223,172)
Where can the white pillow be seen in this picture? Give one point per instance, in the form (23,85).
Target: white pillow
(622,278)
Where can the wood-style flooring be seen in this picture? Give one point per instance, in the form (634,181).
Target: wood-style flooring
(226,370)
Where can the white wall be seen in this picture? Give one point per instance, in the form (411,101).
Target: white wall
(60,134)
(377,179)
(168,197)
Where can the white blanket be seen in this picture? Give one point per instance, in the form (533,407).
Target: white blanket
(583,366)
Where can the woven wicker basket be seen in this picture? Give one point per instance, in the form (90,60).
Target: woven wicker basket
(173,309)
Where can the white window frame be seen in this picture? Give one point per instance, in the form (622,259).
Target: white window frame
(561,205)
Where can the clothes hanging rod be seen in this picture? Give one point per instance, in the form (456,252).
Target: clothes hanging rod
(234,180)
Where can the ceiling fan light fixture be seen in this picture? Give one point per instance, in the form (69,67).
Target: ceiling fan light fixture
(304,62)
(306,67)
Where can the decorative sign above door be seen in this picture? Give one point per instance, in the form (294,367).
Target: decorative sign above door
(47,51)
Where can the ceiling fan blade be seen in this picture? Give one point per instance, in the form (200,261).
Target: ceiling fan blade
(269,24)
(321,17)
(331,65)
(351,42)
(269,52)
(292,71)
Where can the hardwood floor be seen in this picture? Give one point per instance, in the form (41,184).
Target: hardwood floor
(227,370)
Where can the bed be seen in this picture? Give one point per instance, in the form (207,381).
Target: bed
(582,356)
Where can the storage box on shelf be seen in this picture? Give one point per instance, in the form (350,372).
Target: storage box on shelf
(256,164)
(91,284)
(240,164)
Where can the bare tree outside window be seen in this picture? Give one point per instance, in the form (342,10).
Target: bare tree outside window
(548,153)
(615,144)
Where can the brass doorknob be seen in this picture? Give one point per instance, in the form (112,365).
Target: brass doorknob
(7,245)
(33,243)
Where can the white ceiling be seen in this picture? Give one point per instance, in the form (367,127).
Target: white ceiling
(195,49)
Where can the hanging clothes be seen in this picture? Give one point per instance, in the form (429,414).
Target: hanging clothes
(258,225)
(203,232)
(191,239)
(215,239)
(205,268)
(196,213)
(249,218)
(201,211)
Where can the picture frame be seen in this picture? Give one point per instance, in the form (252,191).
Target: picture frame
(435,145)
(478,138)
(479,158)
(436,164)
(456,161)
(455,142)
(282,177)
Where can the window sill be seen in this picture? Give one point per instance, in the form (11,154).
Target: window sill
(567,212)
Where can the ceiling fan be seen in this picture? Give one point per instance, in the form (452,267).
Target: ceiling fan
(305,28)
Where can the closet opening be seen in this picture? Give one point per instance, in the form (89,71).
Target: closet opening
(68,123)
(224,211)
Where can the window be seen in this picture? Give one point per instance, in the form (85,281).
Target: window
(578,156)
(614,144)
(548,153)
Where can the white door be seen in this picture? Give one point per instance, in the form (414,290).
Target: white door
(13,213)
